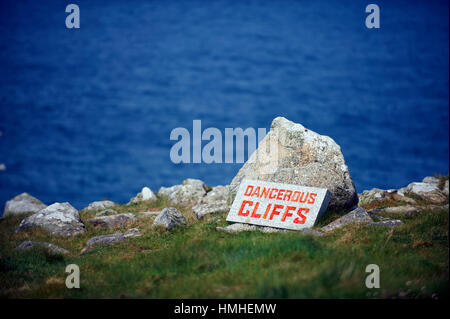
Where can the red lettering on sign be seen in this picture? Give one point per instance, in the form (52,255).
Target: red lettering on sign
(280,194)
(303,197)
(270,194)
(286,212)
(287,195)
(267,211)
(302,218)
(275,210)
(265,192)
(256,192)
(296,195)
(254,215)
(312,198)
(245,202)
(248,191)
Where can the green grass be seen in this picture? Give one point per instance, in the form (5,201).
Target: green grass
(197,261)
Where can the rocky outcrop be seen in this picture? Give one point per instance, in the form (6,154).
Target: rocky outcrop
(218,200)
(49,247)
(104,204)
(146,195)
(22,204)
(300,156)
(376,195)
(431,189)
(189,193)
(358,215)
(118,220)
(426,191)
(59,219)
(169,218)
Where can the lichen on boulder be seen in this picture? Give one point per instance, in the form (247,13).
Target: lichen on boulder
(300,156)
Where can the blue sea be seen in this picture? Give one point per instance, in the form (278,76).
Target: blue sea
(86,114)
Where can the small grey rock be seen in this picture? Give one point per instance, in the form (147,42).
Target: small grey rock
(23,204)
(146,194)
(201,210)
(390,223)
(104,204)
(189,193)
(169,218)
(358,215)
(428,192)
(105,240)
(50,247)
(118,220)
(405,210)
(60,219)
(133,232)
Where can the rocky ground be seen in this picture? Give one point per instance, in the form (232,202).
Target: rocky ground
(176,243)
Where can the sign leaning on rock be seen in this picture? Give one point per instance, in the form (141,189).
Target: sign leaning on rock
(278,205)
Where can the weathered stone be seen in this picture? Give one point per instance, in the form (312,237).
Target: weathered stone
(406,210)
(106,212)
(431,180)
(169,218)
(387,222)
(376,195)
(133,232)
(22,204)
(217,194)
(201,210)
(118,220)
(428,192)
(373,195)
(218,200)
(358,215)
(105,240)
(189,193)
(104,204)
(146,194)
(50,247)
(301,157)
(59,219)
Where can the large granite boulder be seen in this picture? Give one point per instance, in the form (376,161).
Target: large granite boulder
(169,218)
(300,156)
(23,204)
(189,193)
(60,219)
(146,195)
